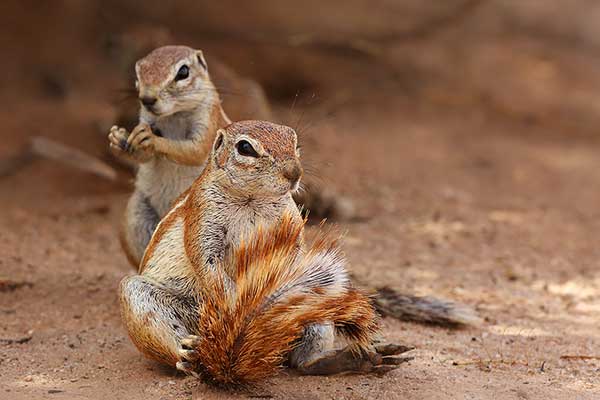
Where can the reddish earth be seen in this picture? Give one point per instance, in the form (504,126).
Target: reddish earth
(503,222)
(478,183)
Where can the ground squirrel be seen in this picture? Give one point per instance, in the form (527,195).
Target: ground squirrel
(179,116)
(227,290)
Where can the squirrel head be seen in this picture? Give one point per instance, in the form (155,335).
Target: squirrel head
(256,159)
(172,79)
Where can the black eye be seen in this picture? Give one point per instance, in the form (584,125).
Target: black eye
(183,73)
(246,149)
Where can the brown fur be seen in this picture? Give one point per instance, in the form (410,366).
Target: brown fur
(248,297)
(192,228)
(125,246)
(278,140)
(156,65)
(181,152)
(235,326)
(193,210)
(142,337)
(160,231)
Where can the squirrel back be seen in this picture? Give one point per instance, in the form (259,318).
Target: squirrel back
(257,306)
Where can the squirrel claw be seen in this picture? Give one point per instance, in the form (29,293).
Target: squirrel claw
(188,355)
(121,145)
(141,136)
(124,145)
(380,361)
(391,349)
(394,361)
(190,342)
(187,368)
(118,138)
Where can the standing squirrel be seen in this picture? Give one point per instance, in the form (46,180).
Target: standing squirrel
(226,289)
(179,116)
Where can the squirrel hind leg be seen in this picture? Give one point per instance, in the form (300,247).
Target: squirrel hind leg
(141,219)
(316,340)
(315,354)
(157,319)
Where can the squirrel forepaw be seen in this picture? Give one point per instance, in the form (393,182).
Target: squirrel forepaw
(141,137)
(124,144)
(117,138)
(188,355)
(190,342)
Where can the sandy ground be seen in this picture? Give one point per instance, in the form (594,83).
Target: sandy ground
(472,156)
(501,216)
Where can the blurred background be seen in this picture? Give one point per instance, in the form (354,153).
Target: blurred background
(464,132)
(68,64)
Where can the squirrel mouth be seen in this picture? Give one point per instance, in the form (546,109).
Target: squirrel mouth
(152,110)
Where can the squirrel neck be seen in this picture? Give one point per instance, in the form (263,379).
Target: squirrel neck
(218,218)
(223,197)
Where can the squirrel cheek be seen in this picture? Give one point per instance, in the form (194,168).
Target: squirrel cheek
(221,158)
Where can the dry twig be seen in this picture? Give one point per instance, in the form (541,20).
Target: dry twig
(41,147)
(71,156)
(19,340)
(7,285)
(578,357)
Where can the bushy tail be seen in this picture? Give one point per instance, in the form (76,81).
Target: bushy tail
(429,310)
(247,332)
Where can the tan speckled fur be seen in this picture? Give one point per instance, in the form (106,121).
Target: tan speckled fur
(171,142)
(227,264)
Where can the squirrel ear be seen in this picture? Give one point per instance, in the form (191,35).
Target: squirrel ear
(218,152)
(201,60)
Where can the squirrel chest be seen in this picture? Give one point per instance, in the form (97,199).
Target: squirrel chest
(162,180)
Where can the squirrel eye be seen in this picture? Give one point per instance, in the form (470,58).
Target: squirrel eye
(183,73)
(246,149)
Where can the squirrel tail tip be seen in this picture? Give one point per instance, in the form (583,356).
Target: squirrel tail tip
(428,310)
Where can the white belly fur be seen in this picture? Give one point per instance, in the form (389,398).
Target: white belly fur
(162,181)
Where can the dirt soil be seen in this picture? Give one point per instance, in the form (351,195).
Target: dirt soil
(472,195)
(503,222)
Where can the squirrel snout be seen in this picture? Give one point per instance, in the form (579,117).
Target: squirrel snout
(292,171)
(148,101)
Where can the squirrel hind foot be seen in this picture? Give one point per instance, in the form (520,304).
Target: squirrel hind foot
(381,360)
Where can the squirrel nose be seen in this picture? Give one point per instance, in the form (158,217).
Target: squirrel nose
(148,101)
(292,171)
